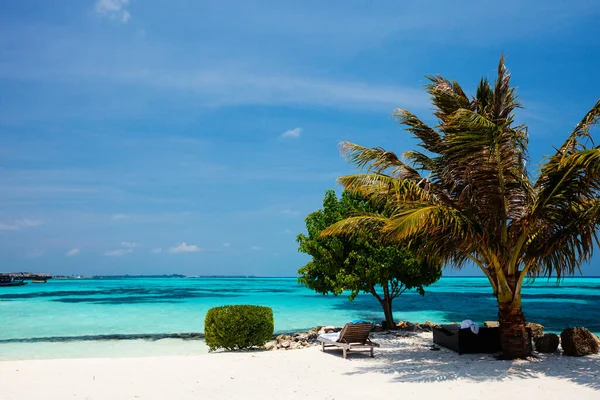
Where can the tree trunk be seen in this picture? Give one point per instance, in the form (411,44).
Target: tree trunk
(387,311)
(514,338)
(386,303)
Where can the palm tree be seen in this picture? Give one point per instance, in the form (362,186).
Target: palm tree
(468,198)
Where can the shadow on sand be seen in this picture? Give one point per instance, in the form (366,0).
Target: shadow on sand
(411,360)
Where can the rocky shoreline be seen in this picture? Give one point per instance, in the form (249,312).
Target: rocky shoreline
(301,340)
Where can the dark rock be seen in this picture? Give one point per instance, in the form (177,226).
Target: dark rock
(537,330)
(428,326)
(578,342)
(547,343)
(405,325)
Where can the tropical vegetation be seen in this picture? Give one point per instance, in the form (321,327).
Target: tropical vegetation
(360,263)
(235,327)
(468,197)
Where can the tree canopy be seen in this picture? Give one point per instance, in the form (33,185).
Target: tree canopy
(361,263)
(468,197)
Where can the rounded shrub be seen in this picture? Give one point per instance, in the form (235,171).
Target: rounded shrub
(238,327)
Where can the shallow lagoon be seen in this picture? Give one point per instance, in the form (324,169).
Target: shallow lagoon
(148,306)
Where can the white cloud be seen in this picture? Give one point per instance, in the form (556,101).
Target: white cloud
(114,9)
(287,231)
(292,133)
(72,252)
(226,244)
(120,217)
(223,86)
(185,248)
(118,252)
(129,244)
(20,224)
(156,250)
(255,248)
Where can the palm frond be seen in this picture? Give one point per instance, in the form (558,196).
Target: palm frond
(376,159)
(581,133)
(382,189)
(446,96)
(355,226)
(469,195)
(430,139)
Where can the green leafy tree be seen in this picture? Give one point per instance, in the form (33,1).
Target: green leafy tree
(469,197)
(361,263)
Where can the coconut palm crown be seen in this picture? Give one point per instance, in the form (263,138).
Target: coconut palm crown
(468,197)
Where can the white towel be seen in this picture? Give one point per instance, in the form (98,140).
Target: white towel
(467,323)
(331,336)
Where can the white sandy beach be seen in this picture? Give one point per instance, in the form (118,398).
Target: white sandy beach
(403,368)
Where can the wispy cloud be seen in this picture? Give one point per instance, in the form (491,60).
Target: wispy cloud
(292,133)
(185,248)
(20,224)
(129,244)
(120,217)
(113,9)
(117,252)
(233,87)
(255,248)
(156,250)
(287,231)
(226,244)
(215,87)
(72,252)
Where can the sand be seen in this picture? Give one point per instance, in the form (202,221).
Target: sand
(402,368)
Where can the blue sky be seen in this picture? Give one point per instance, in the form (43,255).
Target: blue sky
(195,136)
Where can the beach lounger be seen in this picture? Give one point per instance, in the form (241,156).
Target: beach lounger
(353,337)
(464,341)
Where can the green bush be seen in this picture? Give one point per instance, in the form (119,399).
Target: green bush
(238,327)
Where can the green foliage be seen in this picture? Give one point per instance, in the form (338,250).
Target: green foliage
(469,198)
(238,327)
(359,263)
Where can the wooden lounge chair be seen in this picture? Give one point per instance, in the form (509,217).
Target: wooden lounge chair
(353,337)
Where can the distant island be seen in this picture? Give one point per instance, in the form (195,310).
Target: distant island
(137,276)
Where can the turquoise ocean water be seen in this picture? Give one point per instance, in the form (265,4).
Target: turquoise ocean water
(50,320)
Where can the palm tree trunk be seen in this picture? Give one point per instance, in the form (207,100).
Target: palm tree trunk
(514,338)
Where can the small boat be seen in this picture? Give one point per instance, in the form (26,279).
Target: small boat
(38,281)
(10,281)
